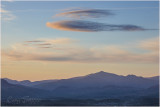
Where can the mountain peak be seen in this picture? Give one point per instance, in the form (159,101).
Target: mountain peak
(104,73)
(25,81)
(131,75)
(101,72)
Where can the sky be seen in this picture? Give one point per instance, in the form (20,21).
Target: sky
(54,40)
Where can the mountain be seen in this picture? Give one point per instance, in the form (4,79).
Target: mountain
(19,91)
(100,79)
(27,82)
(99,88)
(96,85)
(11,81)
(156,78)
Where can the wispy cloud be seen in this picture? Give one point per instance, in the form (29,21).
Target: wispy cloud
(7,15)
(76,53)
(85,13)
(8,0)
(33,41)
(60,41)
(49,43)
(44,44)
(89,26)
(150,44)
(3,11)
(52,41)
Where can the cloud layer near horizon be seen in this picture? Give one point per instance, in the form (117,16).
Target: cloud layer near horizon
(89,26)
(70,52)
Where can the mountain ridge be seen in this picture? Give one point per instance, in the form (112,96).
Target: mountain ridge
(99,73)
(100,79)
(95,85)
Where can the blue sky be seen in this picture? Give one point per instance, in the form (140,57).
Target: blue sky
(34,15)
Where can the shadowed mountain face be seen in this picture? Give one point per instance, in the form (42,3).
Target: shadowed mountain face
(97,85)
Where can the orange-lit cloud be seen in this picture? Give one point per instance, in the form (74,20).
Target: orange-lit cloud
(61,26)
(89,26)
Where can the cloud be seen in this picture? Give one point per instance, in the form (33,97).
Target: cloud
(9,0)
(45,41)
(34,41)
(150,44)
(60,41)
(49,43)
(3,11)
(7,15)
(45,47)
(77,54)
(89,26)
(83,55)
(85,13)
(44,44)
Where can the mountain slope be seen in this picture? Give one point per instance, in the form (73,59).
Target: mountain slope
(27,82)
(156,78)
(19,91)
